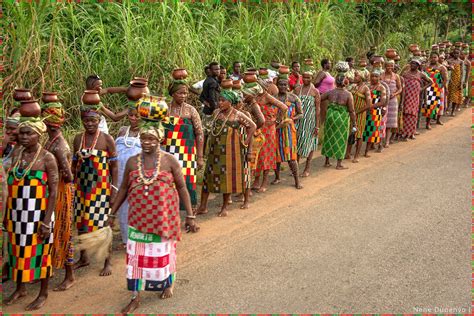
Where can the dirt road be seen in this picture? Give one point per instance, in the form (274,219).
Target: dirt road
(389,235)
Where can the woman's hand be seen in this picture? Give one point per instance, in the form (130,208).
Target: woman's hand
(200,163)
(190,225)
(44,231)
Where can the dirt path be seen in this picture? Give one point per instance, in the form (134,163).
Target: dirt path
(390,234)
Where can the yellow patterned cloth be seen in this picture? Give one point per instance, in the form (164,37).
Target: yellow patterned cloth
(455,88)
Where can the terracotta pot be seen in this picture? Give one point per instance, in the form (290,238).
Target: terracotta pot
(465,45)
(263,72)
(390,53)
(377,59)
(442,46)
(29,108)
(91,97)
(284,69)
(434,47)
(152,108)
(179,74)
(49,97)
(458,44)
(138,87)
(22,94)
(236,85)
(308,61)
(417,52)
(413,47)
(250,77)
(226,84)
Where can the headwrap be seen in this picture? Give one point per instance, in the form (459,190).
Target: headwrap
(132,105)
(415,60)
(230,95)
(154,128)
(376,71)
(14,119)
(282,76)
(91,110)
(342,67)
(35,123)
(175,85)
(390,62)
(252,88)
(53,114)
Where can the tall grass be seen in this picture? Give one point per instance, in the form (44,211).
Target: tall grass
(56,45)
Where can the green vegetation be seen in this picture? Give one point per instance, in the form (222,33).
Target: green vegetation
(54,46)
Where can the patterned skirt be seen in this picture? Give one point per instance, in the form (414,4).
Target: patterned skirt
(455,86)
(257,144)
(392,113)
(29,256)
(286,138)
(92,192)
(267,156)
(359,104)
(372,126)
(431,106)
(63,251)
(336,131)
(151,261)
(306,141)
(224,171)
(180,141)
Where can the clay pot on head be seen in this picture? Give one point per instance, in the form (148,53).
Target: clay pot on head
(252,70)
(236,85)
(22,94)
(226,84)
(308,61)
(30,108)
(179,74)
(390,53)
(417,52)
(138,87)
(458,44)
(263,72)
(250,77)
(91,97)
(465,45)
(377,59)
(284,69)
(49,97)
(413,47)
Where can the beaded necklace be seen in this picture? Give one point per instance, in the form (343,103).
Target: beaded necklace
(20,175)
(50,144)
(91,148)
(142,178)
(135,139)
(213,123)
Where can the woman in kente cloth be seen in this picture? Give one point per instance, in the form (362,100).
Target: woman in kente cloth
(395,86)
(224,171)
(32,191)
(308,126)
(63,252)
(455,82)
(373,121)
(127,144)
(340,109)
(432,105)
(413,78)
(95,170)
(286,131)
(154,185)
(184,136)
(269,106)
(362,103)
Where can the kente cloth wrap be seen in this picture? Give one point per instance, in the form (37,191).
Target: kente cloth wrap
(306,126)
(63,251)
(126,147)
(29,256)
(151,261)
(455,86)
(286,136)
(441,102)
(392,106)
(180,141)
(53,114)
(257,144)
(224,171)
(267,155)
(431,107)
(359,104)
(336,131)
(373,120)
(154,208)
(92,190)
(35,123)
(383,122)
(411,105)
(247,172)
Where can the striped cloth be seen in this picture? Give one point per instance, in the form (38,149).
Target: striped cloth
(454,87)
(63,251)
(267,156)
(392,107)
(305,127)
(336,131)
(29,256)
(359,104)
(411,104)
(373,120)
(151,261)
(286,136)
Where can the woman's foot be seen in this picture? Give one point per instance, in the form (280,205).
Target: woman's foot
(428,127)
(15,296)
(276,181)
(107,270)
(133,305)
(298,186)
(262,190)
(37,303)
(244,206)
(439,123)
(65,285)
(80,264)
(167,293)
(201,211)
(327,165)
(355,160)
(341,167)
(223,212)
(305,174)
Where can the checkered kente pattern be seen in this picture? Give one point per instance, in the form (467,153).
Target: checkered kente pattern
(373,120)
(154,209)
(29,256)
(432,105)
(180,141)
(93,190)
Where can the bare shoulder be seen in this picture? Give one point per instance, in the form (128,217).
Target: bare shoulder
(107,137)
(292,97)
(122,131)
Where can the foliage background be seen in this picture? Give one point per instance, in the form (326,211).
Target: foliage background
(54,46)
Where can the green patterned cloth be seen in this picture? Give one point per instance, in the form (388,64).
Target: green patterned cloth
(336,131)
